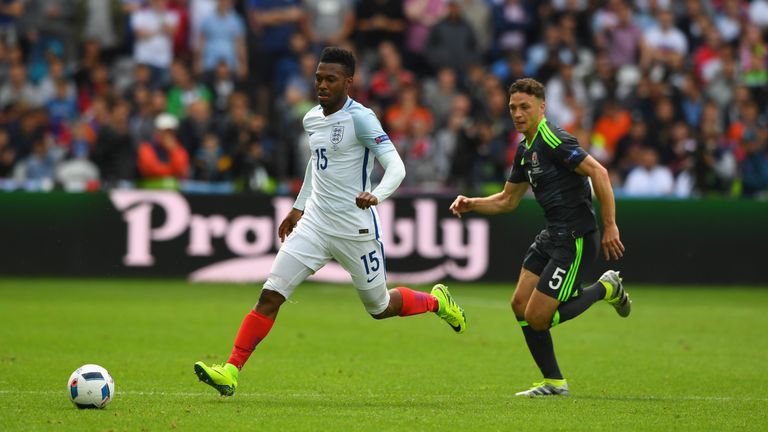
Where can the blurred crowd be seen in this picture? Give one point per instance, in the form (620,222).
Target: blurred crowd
(208,95)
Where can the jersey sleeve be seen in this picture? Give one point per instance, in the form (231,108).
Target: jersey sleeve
(370,133)
(568,152)
(517,173)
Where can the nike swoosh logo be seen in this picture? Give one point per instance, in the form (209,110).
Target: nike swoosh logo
(371,279)
(455,328)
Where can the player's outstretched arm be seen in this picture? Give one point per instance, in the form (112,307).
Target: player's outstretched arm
(504,201)
(394,173)
(612,246)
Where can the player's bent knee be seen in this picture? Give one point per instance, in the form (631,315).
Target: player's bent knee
(380,316)
(377,301)
(538,322)
(518,305)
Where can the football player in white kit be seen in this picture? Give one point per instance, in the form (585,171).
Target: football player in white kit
(334,217)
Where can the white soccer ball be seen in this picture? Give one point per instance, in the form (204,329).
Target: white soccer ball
(91,386)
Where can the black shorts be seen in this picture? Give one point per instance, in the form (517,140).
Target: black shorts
(561,261)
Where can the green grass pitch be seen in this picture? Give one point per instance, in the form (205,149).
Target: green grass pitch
(688,358)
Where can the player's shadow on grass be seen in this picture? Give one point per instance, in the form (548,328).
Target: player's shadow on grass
(319,402)
(628,398)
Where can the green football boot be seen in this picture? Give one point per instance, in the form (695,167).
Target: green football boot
(221,377)
(615,294)
(548,387)
(448,310)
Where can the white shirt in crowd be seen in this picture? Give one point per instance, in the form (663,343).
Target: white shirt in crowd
(654,182)
(157,49)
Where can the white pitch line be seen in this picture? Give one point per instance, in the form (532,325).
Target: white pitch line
(323,395)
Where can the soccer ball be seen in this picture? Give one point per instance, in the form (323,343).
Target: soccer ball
(91,386)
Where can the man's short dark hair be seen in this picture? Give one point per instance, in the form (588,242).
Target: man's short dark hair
(528,86)
(339,56)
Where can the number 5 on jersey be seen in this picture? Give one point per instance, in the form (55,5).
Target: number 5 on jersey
(557,278)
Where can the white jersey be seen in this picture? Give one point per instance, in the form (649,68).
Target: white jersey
(343,146)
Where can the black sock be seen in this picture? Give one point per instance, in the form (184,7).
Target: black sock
(575,306)
(540,346)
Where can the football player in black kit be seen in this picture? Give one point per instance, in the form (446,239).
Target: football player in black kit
(549,289)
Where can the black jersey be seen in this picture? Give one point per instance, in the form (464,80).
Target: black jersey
(548,164)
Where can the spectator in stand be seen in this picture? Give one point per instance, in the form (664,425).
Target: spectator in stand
(49,23)
(113,151)
(17,90)
(663,44)
(753,56)
(98,85)
(758,13)
(725,78)
(572,51)
(10,11)
(199,10)
(56,72)
(509,69)
(421,15)
(439,94)
(62,111)
(691,18)
(390,78)
(7,155)
(649,179)
(5,61)
(621,39)
(728,18)
(223,83)
(184,91)
(211,162)
(272,23)
(714,162)
(234,127)
(252,167)
(452,42)
(662,124)
(195,126)
(613,123)
(40,166)
(379,21)
(76,172)
(25,128)
(564,91)
(706,57)
(290,65)
(539,52)
(154,27)
(142,78)
(754,165)
(512,20)
(418,148)
(747,124)
(163,156)
(401,116)
(90,58)
(222,38)
(101,20)
(328,22)
(629,148)
(446,138)
(603,84)
(478,15)
(181,44)
(690,99)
